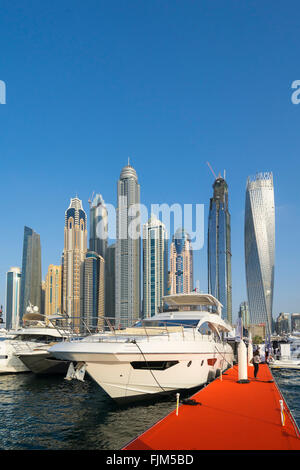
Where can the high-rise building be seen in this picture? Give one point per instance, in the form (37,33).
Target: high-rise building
(181,263)
(260,247)
(31,280)
(110,297)
(13,286)
(283,323)
(128,249)
(53,287)
(75,247)
(98,226)
(219,248)
(155,266)
(295,322)
(244,314)
(93,311)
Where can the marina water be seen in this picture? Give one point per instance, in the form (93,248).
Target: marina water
(50,413)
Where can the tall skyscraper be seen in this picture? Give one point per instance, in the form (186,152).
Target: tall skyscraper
(53,287)
(31,280)
(98,226)
(219,248)
(110,280)
(93,311)
(128,249)
(13,286)
(75,247)
(260,247)
(155,265)
(181,263)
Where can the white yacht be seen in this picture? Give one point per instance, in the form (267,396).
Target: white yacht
(181,348)
(24,341)
(289,357)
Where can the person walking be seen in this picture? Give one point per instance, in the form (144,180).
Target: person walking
(256,361)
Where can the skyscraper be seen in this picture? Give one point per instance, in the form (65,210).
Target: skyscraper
(110,297)
(155,265)
(75,247)
(219,248)
(31,280)
(93,311)
(53,286)
(181,263)
(128,250)
(260,247)
(98,226)
(13,285)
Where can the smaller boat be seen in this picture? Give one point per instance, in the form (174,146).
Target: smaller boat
(17,346)
(285,360)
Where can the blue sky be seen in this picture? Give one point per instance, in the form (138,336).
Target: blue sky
(172,84)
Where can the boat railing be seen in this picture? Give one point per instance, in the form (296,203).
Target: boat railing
(105,328)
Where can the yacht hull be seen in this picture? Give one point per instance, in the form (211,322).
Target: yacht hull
(130,371)
(9,362)
(41,362)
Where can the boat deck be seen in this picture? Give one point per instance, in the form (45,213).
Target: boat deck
(229,416)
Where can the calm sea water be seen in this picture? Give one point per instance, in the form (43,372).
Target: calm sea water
(51,413)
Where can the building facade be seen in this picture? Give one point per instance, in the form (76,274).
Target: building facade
(53,288)
(110,280)
(259,239)
(295,322)
(93,311)
(98,226)
(244,314)
(219,248)
(31,280)
(128,249)
(75,247)
(181,263)
(155,266)
(13,287)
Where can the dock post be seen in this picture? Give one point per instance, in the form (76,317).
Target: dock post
(242,363)
(177,404)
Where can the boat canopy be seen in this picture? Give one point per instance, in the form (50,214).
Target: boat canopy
(193,299)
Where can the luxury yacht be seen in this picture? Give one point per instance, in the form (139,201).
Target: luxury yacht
(18,344)
(289,357)
(181,348)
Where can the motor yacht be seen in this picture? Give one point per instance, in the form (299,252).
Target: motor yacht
(181,348)
(18,346)
(289,356)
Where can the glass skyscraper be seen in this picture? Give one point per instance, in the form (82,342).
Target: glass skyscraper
(93,311)
(155,266)
(31,280)
(219,248)
(13,285)
(260,247)
(128,249)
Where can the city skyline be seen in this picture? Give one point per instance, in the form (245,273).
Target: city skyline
(161,87)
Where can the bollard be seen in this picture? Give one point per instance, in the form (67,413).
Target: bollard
(177,404)
(282,413)
(242,363)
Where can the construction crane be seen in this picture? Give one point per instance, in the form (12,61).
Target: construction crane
(91,199)
(211,169)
